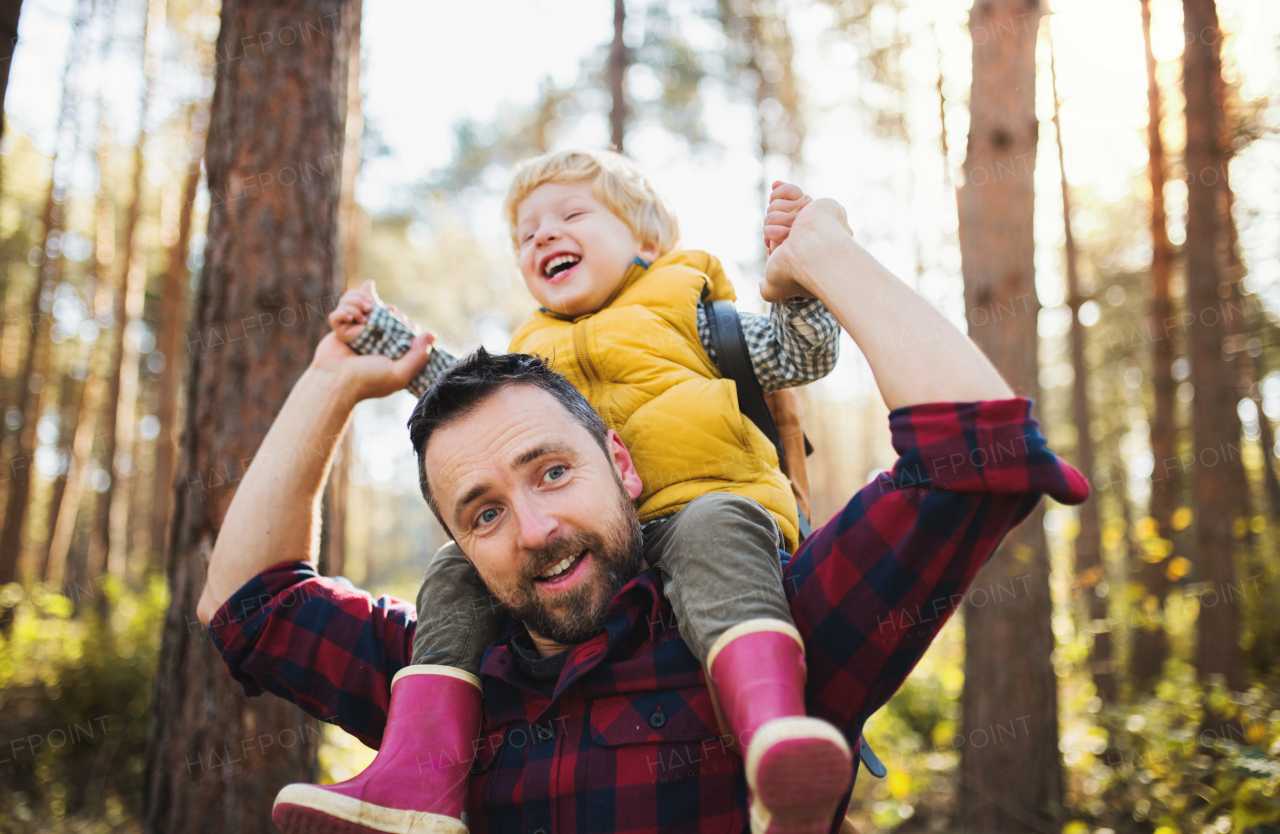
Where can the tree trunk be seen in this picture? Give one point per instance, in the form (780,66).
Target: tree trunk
(271,271)
(1015,785)
(9,12)
(108,546)
(1151,644)
(173,323)
(1216,424)
(70,403)
(618,64)
(1090,569)
(67,561)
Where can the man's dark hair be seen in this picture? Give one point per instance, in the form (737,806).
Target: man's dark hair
(460,389)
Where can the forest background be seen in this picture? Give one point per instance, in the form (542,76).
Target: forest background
(1114,669)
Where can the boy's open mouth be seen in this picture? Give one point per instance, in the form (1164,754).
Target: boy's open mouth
(559,266)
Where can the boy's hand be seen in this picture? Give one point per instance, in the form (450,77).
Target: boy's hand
(349,317)
(785,204)
(818,232)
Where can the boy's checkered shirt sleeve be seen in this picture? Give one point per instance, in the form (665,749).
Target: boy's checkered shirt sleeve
(797,343)
(387,334)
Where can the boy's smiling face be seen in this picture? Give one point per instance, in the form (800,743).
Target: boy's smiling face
(574,252)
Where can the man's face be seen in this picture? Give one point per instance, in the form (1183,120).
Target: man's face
(544,515)
(574,252)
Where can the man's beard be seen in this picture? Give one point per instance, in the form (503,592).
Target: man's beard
(578,614)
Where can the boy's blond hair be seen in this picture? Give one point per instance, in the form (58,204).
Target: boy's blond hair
(617,183)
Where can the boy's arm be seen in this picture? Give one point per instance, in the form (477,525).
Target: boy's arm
(797,343)
(387,334)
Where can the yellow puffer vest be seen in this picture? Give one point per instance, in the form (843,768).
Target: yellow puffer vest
(640,364)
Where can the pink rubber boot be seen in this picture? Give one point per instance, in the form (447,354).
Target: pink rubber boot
(417,784)
(798,768)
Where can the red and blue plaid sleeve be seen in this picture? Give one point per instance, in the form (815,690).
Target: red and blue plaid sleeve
(312,640)
(896,561)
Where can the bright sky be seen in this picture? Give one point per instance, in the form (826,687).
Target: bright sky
(429,64)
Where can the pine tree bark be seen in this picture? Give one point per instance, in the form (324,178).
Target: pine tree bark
(272,270)
(1151,644)
(1017,784)
(618,63)
(1090,569)
(1215,421)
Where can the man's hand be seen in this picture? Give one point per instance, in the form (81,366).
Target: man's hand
(806,235)
(373,376)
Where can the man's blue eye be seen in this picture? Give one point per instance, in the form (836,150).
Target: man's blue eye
(487,516)
(555,472)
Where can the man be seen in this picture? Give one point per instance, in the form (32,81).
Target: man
(596,716)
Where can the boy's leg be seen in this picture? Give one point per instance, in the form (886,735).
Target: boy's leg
(457,616)
(418,780)
(722,574)
(720,565)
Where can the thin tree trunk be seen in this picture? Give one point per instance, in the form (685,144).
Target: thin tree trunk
(64,523)
(71,401)
(1090,569)
(35,367)
(1151,645)
(618,63)
(9,12)
(942,112)
(64,562)
(109,542)
(173,323)
(272,251)
(1216,424)
(1015,785)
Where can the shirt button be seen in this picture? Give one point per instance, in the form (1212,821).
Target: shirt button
(545,733)
(657,719)
(541,831)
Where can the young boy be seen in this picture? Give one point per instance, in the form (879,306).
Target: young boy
(621,318)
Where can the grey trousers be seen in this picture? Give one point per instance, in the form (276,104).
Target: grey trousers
(719,562)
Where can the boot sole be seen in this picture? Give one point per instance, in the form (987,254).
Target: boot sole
(310,809)
(800,769)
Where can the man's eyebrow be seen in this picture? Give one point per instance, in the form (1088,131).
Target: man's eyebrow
(542,450)
(467,497)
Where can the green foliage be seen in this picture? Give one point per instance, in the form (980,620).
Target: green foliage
(1159,769)
(75,692)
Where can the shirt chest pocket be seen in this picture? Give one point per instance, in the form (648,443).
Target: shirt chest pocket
(657,760)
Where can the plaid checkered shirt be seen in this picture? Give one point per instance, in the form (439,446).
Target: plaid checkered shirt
(797,343)
(628,740)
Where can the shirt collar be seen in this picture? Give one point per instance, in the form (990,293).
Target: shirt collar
(640,602)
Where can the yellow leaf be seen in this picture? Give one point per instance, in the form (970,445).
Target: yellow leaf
(899,784)
(1259,523)
(1181,518)
(1148,527)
